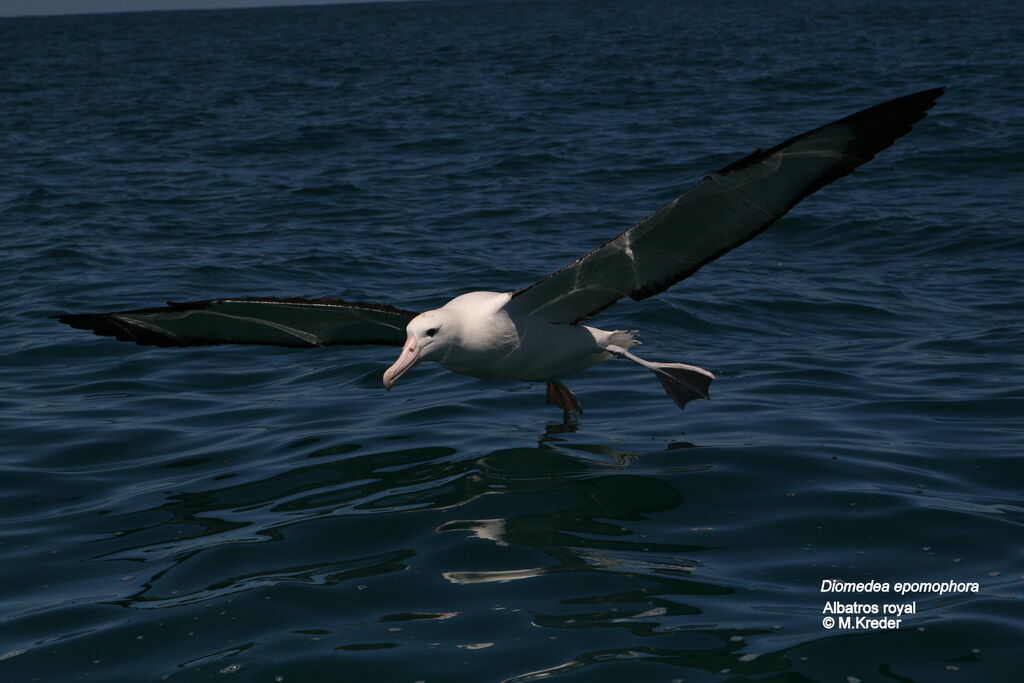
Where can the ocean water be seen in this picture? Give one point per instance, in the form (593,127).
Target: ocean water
(265,514)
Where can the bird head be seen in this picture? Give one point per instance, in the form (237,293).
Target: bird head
(429,335)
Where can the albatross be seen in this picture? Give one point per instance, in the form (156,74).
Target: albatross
(535,333)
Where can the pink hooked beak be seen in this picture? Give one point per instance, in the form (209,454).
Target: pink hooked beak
(410,354)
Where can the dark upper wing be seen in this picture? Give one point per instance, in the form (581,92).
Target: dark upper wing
(718,214)
(268,320)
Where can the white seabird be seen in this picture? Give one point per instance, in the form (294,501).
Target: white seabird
(534,333)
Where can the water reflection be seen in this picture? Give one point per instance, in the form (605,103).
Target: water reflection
(586,527)
(585,531)
(337,517)
(586,551)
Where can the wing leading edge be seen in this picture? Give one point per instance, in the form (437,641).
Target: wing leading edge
(292,322)
(724,210)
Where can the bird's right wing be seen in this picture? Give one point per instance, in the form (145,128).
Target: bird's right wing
(266,320)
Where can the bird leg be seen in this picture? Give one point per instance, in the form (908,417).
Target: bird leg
(682,383)
(559,395)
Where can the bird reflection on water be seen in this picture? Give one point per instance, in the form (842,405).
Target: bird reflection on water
(578,510)
(615,552)
(573,512)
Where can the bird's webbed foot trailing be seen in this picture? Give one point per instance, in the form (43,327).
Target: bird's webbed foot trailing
(681,382)
(559,395)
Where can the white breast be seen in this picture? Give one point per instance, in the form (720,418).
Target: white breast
(492,345)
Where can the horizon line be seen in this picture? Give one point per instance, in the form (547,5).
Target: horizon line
(278,4)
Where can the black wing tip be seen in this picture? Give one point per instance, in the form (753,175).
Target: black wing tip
(928,94)
(878,127)
(85,321)
(105,325)
(894,118)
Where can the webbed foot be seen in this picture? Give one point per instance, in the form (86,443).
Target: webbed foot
(559,395)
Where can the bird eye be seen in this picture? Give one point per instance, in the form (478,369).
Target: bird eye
(432,331)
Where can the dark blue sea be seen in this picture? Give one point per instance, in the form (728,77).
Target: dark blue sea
(245,513)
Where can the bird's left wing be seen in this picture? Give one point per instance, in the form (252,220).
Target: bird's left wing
(718,214)
(267,320)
